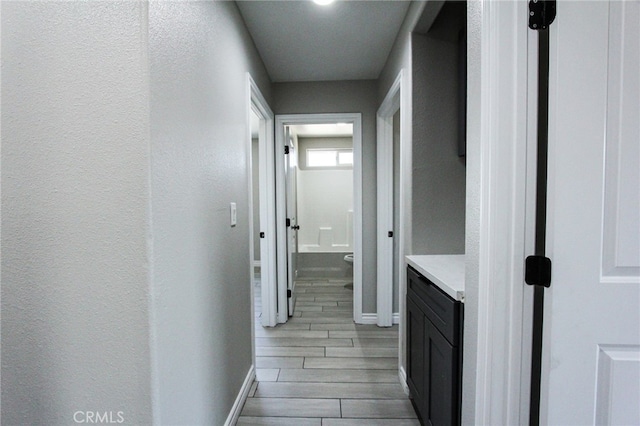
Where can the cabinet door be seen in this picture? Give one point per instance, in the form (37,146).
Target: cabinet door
(441,363)
(415,354)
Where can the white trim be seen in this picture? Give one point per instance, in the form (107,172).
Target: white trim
(402,373)
(292,119)
(256,263)
(398,97)
(256,102)
(495,278)
(234,414)
(384,154)
(373,318)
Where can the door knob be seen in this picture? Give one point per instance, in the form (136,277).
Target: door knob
(295,227)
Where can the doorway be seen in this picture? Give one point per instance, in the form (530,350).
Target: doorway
(290,132)
(394,194)
(262,250)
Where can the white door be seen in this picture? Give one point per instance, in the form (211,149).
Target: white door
(291,167)
(591,373)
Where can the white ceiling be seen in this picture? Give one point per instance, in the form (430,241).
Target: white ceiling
(299,40)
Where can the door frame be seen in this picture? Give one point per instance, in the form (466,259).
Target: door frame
(297,119)
(397,98)
(500,212)
(258,104)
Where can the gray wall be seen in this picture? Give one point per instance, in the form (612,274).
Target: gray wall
(438,173)
(345,97)
(199,55)
(124,141)
(400,55)
(75,211)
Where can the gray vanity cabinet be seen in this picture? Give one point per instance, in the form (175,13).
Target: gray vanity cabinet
(434,351)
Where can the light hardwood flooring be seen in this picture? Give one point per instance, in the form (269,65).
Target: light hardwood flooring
(321,369)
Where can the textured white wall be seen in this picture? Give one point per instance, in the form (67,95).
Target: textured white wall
(199,55)
(75,216)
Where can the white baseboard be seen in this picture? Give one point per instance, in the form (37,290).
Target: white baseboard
(369,319)
(232,419)
(373,318)
(403,380)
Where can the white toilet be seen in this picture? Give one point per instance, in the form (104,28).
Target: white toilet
(349,259)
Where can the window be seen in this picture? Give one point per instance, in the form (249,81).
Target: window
(345,158)
(329,157)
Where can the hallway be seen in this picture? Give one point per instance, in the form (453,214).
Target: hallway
(322,369)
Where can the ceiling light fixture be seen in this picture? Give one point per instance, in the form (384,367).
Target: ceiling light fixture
(323,2)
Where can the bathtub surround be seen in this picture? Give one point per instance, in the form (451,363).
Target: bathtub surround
(325,198)
(325,209)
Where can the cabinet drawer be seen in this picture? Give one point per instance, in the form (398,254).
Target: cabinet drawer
(442,310)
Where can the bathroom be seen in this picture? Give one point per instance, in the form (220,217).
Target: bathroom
(324,200)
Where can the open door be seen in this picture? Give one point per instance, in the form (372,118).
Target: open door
(591,373)
(291,167)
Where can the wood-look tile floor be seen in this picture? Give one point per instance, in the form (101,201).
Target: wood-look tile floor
(321,369)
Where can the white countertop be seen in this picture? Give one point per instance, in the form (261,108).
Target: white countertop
(445,271)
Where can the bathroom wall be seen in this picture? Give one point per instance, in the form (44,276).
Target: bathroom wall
(325,201)
(349,97)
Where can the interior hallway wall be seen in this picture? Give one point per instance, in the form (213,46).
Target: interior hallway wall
(345,97)
(199,55)
(75,212)
(438,172)
(400,59)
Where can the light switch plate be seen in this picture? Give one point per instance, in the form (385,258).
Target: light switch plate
(234,214)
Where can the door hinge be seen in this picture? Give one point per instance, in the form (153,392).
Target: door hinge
(390,234)
(541,14)
(288,293)
(286,149)
(262,235)
(288,222)
(537,271)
